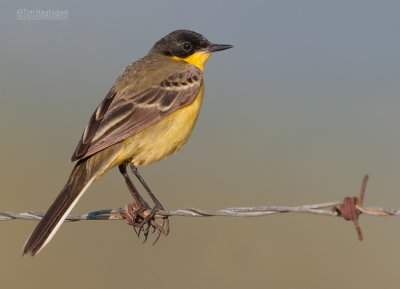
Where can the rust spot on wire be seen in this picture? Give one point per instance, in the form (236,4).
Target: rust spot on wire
(349,209)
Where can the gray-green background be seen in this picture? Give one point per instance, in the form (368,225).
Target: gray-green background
(304,105)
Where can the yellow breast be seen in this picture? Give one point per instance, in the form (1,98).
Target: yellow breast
(163,138)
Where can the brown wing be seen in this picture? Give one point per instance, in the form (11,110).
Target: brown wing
(119,117)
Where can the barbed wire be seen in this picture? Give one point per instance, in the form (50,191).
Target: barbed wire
(350,209)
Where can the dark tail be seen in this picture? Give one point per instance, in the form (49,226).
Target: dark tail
(81,178)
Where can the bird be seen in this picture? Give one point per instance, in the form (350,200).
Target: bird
(148,114)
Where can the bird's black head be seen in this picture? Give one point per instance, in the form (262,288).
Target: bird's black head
(183,43)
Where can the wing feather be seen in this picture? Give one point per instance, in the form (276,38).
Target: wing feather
(123,114)
(93,125)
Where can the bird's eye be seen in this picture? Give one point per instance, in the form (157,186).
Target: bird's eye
(187,46)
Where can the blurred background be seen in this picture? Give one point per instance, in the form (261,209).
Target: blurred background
(304,105)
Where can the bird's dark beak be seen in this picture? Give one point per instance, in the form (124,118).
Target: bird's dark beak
(218,47)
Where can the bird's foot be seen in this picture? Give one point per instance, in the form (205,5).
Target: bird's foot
(142,219)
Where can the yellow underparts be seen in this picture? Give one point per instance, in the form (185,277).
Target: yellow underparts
(163,138)
(198,59)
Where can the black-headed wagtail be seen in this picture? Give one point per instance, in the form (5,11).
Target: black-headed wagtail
(147,115)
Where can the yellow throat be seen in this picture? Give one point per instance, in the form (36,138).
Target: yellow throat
(198,59)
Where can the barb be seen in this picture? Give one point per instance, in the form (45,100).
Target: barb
(350,209)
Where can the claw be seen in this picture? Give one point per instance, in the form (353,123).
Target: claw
(139,217)
(146,233)
(165,226)
(166,223)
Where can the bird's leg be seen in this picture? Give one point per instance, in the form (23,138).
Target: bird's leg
(157,207)
(135,193)
(139,207)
